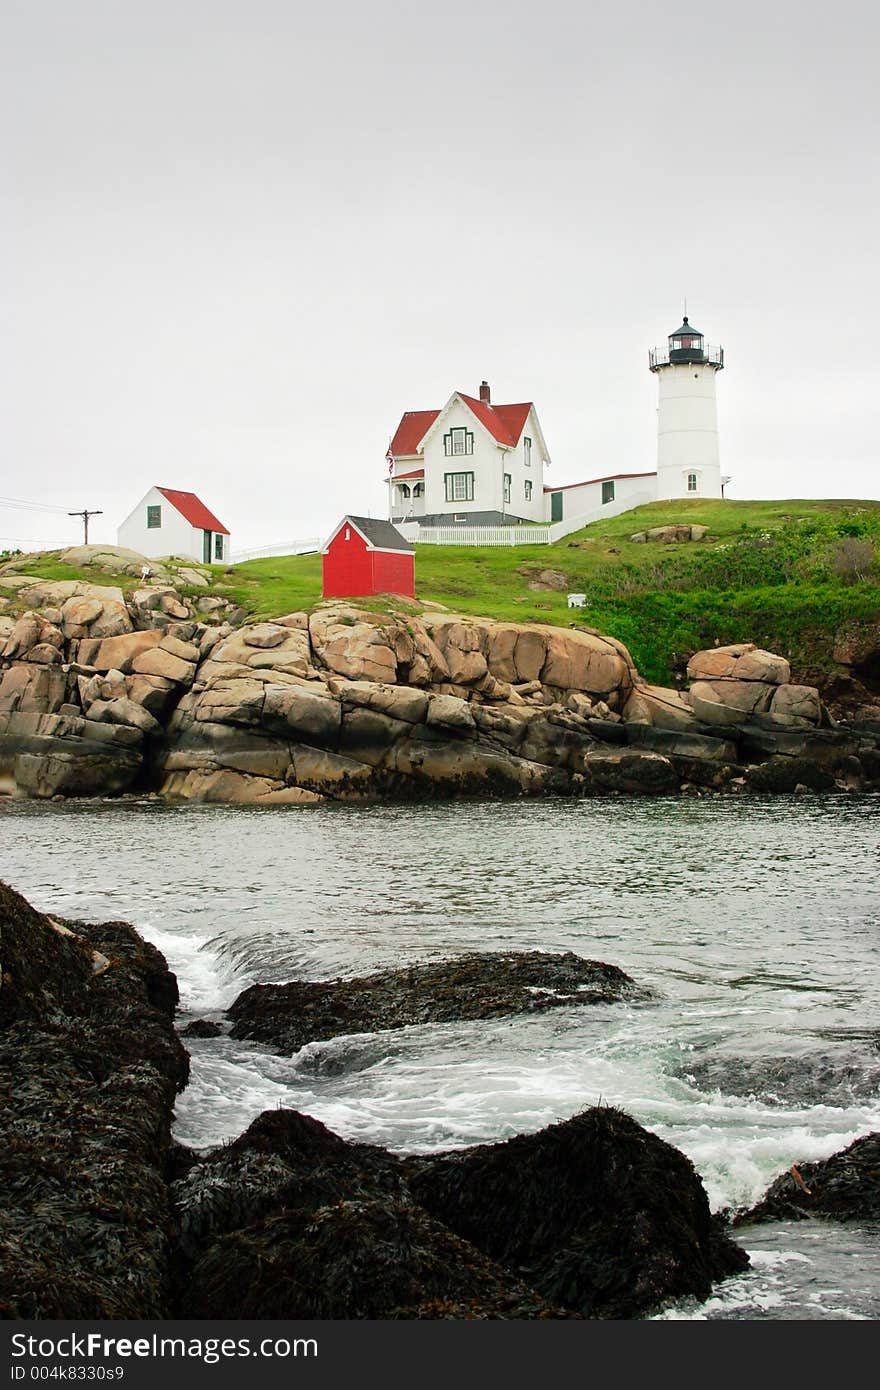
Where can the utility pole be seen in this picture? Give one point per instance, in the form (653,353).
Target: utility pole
(85,516)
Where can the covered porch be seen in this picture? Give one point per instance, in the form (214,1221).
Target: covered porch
(406,491)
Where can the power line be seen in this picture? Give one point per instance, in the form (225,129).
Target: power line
(18,504)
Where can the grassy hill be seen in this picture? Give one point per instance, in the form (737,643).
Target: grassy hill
(788,575)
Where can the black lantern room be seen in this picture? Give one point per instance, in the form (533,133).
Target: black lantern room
(686,344)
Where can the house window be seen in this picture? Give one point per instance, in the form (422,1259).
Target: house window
(528,486)
(527,451)
(154,517)
(218,546)
(403,489)
(418,489)
(459,487)
(607,493)
(692,482)
(458,441)
(507,481)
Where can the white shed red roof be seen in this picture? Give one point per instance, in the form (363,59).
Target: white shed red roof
(193,510)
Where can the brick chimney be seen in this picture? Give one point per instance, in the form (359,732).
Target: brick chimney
(485,393)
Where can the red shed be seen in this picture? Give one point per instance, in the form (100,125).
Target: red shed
(364,556)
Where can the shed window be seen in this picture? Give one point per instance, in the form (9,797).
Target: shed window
(218,546)
(154,517)
(348,533)
(607,493)
(459,487)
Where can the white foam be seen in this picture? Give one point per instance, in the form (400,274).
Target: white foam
(207,982)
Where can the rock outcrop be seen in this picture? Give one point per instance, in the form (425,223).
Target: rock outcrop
(671,534)
(488,985)
(99,696)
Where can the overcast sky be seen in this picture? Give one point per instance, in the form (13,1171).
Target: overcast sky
(241,237)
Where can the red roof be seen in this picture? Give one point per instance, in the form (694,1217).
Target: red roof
(504,423)
(411,431)
(606,478)
(416,473)
(194,511)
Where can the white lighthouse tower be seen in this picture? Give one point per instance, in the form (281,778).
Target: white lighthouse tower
(687,418)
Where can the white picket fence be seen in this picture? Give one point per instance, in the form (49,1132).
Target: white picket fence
(519,535)
(306,547)
(474,535)
(468,535)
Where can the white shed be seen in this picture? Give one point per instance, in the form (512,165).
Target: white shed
(169,522)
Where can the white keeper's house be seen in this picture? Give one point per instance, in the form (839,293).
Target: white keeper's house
(169,522)
(475,463)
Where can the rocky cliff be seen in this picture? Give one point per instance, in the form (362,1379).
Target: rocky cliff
(101,695)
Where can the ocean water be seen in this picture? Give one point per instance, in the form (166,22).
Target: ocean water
(756,924)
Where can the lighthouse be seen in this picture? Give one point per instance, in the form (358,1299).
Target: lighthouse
(687,418)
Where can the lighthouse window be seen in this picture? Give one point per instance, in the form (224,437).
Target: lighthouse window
(607,493)
(692,482)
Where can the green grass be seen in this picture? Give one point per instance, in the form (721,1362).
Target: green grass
(785,574)
(769,572)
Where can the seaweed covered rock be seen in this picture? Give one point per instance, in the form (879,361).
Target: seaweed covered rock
(202,1028)
(290,1220)
(43,965)
(474,986)
(845,1187)
(90,1066)
(595,1213)
(381,1257)
(283,1161)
